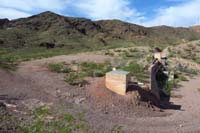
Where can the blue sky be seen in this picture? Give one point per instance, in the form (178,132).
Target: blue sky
(143,12)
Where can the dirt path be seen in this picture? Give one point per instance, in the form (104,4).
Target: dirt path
(40,64)
(187,119)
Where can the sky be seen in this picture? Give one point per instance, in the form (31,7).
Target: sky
(143,12)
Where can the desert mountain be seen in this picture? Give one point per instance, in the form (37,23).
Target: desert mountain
(196,28)
(80,32)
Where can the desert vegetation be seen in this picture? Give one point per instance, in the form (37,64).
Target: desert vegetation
(44,121)
(59,68)
(91,69)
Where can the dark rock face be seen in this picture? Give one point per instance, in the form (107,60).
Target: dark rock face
(1,42)
(3,22)
(47,45)
(2,105)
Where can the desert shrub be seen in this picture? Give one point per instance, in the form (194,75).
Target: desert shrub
(108,52)
(190,71)
(168,87)
(118,63)
(8,63)
(134,55)
(149,58)
(127,54)
(118,50)
(182,78)
(59,68)
(134,68)
(64,123)
(56,67)
(187,70)
(198,43)
(95,69)
(117,129)
(9,122)
(198,61)
(74,78)
(98,73)
(41,111)
(137,71)
(87,69)
(169,49)
(171,54)
(133,50)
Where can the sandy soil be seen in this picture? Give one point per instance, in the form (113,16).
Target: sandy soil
(34,85)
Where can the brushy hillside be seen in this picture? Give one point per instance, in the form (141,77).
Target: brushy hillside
(71,33)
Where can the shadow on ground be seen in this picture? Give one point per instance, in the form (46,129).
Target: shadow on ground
(147,96)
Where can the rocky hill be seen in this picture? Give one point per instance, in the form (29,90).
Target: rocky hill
(196,28)
(71,32)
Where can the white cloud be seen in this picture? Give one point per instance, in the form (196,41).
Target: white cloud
(29,5)
(184,14)
(22,8)
(12,13)
(107,9)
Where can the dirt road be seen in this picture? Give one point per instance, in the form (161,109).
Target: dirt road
(40,64)
(33,84)
(187,119)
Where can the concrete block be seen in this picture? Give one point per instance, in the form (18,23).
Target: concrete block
(117,81)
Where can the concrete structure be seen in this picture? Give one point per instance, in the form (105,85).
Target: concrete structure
(117,81)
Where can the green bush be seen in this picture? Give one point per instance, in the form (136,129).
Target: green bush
(134,54)
(40,111)
(65,123)
(74,78)
(182,78)
(95,70)
(118,50)
(8,65)
(137,71)
(7,62)
(109,53)
(149,58)
(59,68)
(134,68)
(98,74)
(86,69)
(133,50)
(168,87)
(187,70)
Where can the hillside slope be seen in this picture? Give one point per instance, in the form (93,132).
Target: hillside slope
(80,32)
